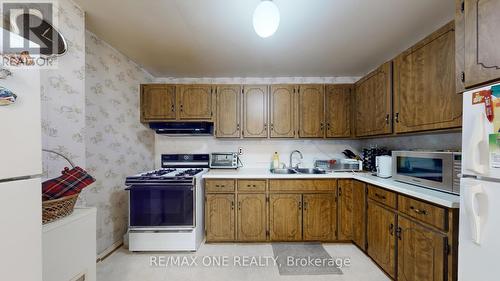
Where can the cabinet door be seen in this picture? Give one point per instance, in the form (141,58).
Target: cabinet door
(252,223)
(421,253)
(255,111)
(285,215)
(381,228)
(482,58)
(219,217)
(345,212)
(228,111)
(359,213)
(424,85)
(311,111)
(157,102)
(195,102)
(282,111)
(459,46)
(374,102)
(338,111)
(319,217)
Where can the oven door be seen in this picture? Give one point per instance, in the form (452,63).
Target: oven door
(157,207)
(428,169)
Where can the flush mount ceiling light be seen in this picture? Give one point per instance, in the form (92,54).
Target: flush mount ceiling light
(266,18)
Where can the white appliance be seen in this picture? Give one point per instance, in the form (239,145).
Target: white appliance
(479,227)
(166,206)
(20,183)
(384,166)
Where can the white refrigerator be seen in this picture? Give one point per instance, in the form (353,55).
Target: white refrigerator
(479,229)
(20,170)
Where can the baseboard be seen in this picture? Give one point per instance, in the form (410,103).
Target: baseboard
(108,251)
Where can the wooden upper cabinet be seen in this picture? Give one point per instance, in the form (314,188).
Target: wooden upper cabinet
(252,217)
(424,85)
(338,111)
(320,217)
(255,111)
(195,102)
(311,111)
(345,210)
(482,58)
(381,229)
(459,46)
(359,213)
(421,252)
(228,100)
(219,217)
(374,102)
(157,102)
(285,217)
(282,111)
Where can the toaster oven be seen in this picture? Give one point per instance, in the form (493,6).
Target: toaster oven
(224,160)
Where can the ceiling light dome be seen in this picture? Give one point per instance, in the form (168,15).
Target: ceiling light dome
(266,18)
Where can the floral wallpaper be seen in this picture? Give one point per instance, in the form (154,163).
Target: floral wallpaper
(63,93)
(116,143)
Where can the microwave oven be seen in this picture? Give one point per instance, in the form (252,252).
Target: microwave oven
(435,170)
(224,160)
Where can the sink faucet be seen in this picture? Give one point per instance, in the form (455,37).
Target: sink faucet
(291,158)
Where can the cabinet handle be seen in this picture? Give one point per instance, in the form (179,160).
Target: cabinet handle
(340,191)
(387,119)
(391,229)
(418,211)
(305,206)
(328,126)
(265,126)
(232,205)
(173,108)
(380,196)
(217,185)
(182,108)
(238,126)
(239,205)
(396,117)
(300,205)
(322,126)
(272,127)
(249,185)
(399,233)
(254,185)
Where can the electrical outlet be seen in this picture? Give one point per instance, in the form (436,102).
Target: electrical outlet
(240,150)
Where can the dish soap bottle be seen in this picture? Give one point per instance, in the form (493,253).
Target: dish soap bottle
(276,161)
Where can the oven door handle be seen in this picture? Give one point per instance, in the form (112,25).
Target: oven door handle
(189,187)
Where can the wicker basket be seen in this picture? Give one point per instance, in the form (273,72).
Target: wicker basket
(59,208)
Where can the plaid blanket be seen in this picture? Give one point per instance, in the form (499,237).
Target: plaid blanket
(69,183)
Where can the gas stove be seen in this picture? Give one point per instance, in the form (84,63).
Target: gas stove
(165,174)
(176,168)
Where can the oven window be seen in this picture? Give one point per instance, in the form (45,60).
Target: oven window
(156,206)
(422,168)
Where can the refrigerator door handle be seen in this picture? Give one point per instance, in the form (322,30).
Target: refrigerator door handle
(476,146)
(473,211)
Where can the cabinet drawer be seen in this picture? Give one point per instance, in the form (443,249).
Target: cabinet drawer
(219,185)
(252,185)
(302,185)
(383,196)
(424,212)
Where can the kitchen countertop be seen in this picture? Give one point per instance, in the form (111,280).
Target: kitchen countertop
(433,196)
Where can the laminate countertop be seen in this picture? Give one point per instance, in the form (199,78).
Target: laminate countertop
(433,196)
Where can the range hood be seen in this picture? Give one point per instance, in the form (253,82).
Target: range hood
(183,128)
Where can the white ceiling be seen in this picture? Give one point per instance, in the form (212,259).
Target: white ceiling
(215,38)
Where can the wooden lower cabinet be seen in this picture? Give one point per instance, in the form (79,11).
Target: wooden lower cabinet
(252,217)
(421,252)
(359,214)
(285,217)
(319,217)
(219,217)
(345,213)
(381,229)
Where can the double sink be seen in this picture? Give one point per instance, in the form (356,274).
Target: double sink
(291,171)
